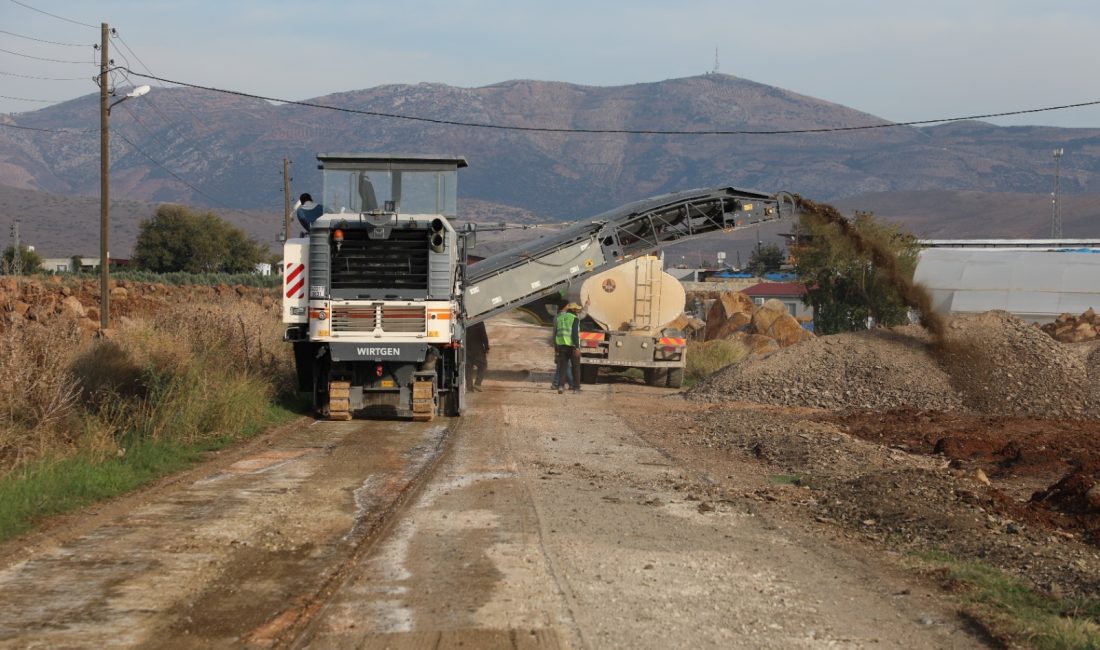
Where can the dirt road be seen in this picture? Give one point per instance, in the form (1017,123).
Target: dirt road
(554,525)
(549,522)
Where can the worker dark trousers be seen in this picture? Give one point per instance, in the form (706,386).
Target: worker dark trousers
(564,354)
(476,367)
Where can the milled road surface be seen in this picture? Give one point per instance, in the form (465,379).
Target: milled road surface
(547,523)
(238,554)
(552,524)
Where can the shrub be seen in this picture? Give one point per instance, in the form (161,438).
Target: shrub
(708,357)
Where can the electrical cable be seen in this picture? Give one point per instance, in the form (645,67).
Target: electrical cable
(24,99)
(173,174)
(199,123)
(42,40)
(68,20)
(27,76)
(40,58)
(539,129)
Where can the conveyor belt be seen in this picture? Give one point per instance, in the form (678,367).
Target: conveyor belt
(542,266)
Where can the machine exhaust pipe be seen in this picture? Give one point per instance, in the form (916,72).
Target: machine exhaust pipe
(438,238)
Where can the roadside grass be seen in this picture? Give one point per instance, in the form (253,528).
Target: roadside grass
(704,358)
(108,416)
(1009,607)
(52,486)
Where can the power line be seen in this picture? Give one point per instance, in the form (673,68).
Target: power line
(42,40)
(542,129)
(118,37)
(34,128)
(172,173)
(24,99)
(28,128)
(27,76)
(39,58)
(68,20)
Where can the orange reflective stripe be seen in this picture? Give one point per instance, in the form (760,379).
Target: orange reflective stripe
(672,340)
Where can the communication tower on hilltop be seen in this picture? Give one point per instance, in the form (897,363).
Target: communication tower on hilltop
(715,71)
(1055,215)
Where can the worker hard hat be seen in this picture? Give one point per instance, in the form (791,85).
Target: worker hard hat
(572,307)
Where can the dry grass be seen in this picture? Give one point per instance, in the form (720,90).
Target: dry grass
(706,358)
(39,397)
(187,374)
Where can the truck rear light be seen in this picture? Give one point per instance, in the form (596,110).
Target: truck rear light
(378,370)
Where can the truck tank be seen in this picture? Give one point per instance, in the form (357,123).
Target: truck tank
(630,307)
(638,297)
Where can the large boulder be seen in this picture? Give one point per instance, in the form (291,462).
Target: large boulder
(729,313)
(757,344)
(773,320)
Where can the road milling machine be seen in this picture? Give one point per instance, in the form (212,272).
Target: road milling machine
(377,294)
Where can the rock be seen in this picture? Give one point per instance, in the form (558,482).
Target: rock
(980,476)
(20,307)
(775,321)
(731,312)
(756,343)
(1092,497)
(71,308)
(119,293)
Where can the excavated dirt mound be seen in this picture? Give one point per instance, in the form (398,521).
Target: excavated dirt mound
(1013,492)
(873,370)
(1000,364)
(989,363)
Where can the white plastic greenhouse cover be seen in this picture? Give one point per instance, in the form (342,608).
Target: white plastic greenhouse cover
(1033,285)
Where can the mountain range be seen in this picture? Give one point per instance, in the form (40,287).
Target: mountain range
(225,152)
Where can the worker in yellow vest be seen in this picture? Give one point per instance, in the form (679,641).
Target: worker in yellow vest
(567,337)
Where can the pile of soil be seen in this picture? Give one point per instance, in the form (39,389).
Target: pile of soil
(873,370)
(988,363)
(1001,364)
(1012,492)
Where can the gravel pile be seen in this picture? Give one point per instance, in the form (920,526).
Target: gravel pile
(874,370)
(989,363)
(1000,364)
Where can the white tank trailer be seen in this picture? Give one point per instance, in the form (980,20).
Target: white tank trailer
(630,308)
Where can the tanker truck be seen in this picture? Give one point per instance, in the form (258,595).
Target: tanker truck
(630,308)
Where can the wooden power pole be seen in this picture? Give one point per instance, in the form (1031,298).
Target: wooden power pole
(104,184)
(286,199)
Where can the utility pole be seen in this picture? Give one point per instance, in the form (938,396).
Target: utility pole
(17,252)
(286,199)
(1055,216)
(104,184)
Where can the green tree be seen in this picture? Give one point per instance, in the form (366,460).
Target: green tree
(766,259)
(78,263)
(30,260)
(177,239)
(843,286)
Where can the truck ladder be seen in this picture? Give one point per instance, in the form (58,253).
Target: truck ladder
(541,267)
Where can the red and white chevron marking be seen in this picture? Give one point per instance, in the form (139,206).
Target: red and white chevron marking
(295,282)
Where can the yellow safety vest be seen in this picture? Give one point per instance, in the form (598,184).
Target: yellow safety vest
(563,328)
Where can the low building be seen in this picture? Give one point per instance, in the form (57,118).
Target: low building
(793,295)
(1036,284)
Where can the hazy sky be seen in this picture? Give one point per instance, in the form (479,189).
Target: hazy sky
(899,60)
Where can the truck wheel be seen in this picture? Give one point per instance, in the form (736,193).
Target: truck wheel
(675,378)
(589,374)
(656,376)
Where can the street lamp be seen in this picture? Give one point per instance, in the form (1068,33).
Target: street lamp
(104,171)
